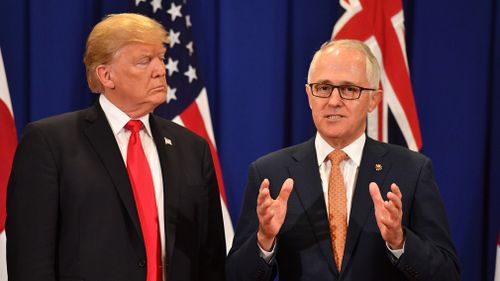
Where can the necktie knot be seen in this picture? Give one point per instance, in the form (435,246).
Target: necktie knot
(134,126)
(337,156)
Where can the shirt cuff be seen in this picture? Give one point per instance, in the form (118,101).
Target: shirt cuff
(267,256)
(397,253)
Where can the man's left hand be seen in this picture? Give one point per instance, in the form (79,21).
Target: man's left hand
(389,215)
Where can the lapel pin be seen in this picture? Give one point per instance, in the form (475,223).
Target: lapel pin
(168,141)
(378,167)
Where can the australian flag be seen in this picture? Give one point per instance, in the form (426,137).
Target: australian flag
(187,99)
(380,24)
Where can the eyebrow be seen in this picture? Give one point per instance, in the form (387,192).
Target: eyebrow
(151,54)
(326,81)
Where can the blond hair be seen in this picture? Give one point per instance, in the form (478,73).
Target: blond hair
(114,32)
(372,65)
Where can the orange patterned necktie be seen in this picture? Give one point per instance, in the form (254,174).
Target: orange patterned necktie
(337,206)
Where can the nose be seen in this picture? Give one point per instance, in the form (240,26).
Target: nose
(335,99)
(158,67)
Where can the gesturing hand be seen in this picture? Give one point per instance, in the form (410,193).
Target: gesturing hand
(389,215)
(271,213)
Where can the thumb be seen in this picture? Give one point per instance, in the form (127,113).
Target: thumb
(286,190)
(375,193)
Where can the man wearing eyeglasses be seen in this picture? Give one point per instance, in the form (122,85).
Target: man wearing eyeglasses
(342,206)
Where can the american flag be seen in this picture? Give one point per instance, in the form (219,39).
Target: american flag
(380,24)
(8,143)
(187,100)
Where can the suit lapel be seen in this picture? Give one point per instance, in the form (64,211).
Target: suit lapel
(102,139)
(171,172)
(310,193)
(373,168)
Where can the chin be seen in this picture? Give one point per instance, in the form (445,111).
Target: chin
(159,97)
(158,102)
(335,134)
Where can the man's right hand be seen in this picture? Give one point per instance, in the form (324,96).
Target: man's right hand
(271,213)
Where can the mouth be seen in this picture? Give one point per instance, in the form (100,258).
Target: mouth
(160,88)
(334,117)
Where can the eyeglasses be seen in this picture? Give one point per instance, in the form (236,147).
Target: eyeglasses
(347,92)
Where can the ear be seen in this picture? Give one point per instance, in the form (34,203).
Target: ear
(309,95)
(103,73)
(375,99)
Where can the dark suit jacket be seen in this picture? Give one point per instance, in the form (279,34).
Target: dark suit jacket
(304,250)
(71,213)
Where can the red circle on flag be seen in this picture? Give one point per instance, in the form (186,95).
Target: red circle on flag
(8,142)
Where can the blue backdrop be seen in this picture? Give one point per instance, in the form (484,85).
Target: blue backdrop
(254,57)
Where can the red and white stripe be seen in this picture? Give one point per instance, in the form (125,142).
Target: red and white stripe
(8,142)
(196,117)
(380,24)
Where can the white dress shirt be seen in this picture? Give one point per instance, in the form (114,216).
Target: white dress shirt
(349,168)
(117,119)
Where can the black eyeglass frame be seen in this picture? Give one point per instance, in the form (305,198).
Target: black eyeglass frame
(361,89)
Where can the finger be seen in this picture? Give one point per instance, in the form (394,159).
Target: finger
(385,222)
(266,217)
(375,194)
(263,191)
(392,213)
(264,185)
(389,226)
(264,206)
(286,190)
(263,196)
(387,218)
(265,203)
(395,200)
(396,190)
(392,216)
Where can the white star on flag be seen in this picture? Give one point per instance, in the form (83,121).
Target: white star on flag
(171,94)
(174,37)
(137,2)
(172,66)
(189,46)
(174,11)
(156,4)
(191,73)
(186,101)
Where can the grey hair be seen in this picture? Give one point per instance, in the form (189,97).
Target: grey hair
(372,65)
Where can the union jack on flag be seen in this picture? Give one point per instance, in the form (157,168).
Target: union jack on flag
(187,100)
(380,24)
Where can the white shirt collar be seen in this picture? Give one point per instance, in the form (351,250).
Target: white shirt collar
(353,150)
(117,119)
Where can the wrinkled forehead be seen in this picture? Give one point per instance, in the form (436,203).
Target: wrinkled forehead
(338,60)
(340,54)
(141,48)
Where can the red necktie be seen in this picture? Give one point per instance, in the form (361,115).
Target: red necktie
(144,195)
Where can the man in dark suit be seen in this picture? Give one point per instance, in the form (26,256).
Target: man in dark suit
(113,192)
(328,220)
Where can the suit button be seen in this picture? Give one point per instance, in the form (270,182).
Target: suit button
(141,263)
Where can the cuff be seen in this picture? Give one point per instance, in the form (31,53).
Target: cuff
(267,256)
(397,253)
